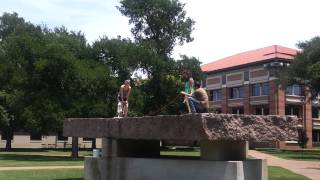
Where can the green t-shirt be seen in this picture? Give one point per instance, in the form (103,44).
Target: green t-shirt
(187,88)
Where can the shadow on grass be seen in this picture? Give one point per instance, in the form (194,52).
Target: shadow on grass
(304,157)
(70,179)
(41,149)
(312,155)
(180,149)
(37,158)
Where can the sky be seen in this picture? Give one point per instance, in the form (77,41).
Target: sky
(223,27)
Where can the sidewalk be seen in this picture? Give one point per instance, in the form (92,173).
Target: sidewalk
(309,169)
(38,167)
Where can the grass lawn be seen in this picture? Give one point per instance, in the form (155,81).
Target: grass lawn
(275,173)
(303,155)
(56,157)
(278,173)
(40,157)
(180,151)
(56,174)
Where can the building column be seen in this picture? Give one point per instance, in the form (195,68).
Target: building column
(277,99)
(246,101)
(307,119)
(225,97)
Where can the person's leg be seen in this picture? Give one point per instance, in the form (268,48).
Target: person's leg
(194,104)
(119,109)
(125,109)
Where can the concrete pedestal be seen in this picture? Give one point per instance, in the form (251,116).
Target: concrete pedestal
(125,159)
(173,169)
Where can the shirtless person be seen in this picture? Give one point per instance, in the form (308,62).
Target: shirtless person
(198,101)
(124,94)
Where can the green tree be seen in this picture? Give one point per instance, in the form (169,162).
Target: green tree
(306,67)
(158,25)
(4,118)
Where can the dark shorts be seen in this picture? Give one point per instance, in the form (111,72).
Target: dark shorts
(124,99)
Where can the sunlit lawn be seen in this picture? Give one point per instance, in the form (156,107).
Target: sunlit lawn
(56,174)
(60,157)
(275,173)
(40,157)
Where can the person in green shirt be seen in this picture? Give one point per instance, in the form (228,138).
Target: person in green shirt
(188,90)
(189,86)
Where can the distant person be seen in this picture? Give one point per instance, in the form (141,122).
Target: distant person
(198,101)
(188,89)
(124,94)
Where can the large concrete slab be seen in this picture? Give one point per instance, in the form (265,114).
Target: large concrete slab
(206,126)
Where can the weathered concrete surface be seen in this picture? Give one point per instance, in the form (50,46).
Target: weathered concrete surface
(206,126)
(173,169)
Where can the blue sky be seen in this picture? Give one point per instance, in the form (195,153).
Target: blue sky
(223,27)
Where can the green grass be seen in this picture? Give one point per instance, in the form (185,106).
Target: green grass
(56,174)
(180,151)
(278,173)
(40,157)
(275,173)
(302,155)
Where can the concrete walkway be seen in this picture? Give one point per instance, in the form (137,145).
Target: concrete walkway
(39,167)
(309,169)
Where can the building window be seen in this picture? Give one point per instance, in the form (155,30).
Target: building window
(215,95)
(316,135)
(236,92)
(260,89)
(87,139)
(315,112)
(237,110)
(293,110)
(294,90)
(262,110)
(35,137)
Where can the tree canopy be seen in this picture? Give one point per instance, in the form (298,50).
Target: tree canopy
(306,67)
(159,24)
(47,75)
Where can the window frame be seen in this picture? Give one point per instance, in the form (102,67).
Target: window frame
(236,92)
(260,89)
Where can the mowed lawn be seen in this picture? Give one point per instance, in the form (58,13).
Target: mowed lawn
(40,157)
(61,157)
(301,155)
(56,174)
(275,173)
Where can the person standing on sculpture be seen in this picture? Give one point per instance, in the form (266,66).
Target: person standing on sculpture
(124,94)
(198,101)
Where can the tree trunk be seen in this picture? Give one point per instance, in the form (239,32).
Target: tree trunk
(8,145)
(9,137)
(94,143)
(75,148)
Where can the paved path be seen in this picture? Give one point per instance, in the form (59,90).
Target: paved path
(309,169)
(39,167)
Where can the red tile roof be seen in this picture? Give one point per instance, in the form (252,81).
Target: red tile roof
(252,56)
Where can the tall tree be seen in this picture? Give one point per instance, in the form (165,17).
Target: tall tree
(306,67)
(158,25)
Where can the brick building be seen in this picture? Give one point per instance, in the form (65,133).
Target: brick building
(245,84)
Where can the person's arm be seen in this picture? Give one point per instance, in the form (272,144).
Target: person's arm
(186,94)
(121,93)
(128,93)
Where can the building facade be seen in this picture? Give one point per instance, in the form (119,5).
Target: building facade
(245,84)
(25,140)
